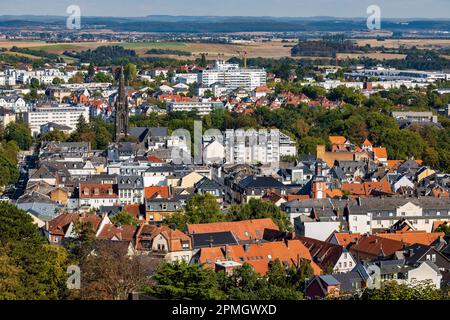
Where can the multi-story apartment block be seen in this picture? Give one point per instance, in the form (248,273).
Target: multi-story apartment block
(233,77)
(262,146)
(203,108)
(60,114)
(251,146)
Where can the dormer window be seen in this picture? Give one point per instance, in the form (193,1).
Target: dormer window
(110,191)
(86,191)
(96,191)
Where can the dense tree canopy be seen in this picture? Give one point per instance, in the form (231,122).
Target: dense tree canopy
(29,268)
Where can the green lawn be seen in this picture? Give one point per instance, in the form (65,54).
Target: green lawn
(51,47)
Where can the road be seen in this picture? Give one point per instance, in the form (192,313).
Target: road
(25,163)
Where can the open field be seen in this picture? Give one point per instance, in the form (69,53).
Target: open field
(391,43)
(20,54)
(273,49)
(375,55)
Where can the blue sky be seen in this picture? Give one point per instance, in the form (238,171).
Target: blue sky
(291,8)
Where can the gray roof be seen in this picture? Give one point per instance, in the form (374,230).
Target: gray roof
(260,182)
(131,182)
(350,281)
(329,280)
(383,206)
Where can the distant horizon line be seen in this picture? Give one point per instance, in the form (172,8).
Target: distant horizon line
(226,16)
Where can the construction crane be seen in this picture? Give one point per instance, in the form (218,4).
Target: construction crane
(244,54)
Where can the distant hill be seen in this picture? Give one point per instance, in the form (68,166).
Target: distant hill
(211,24)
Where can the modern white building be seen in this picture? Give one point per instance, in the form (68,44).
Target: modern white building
(203,108)
(186,78)
(251,146)
(233,77)
(65,115)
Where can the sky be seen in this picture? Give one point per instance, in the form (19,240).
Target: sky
(278,8)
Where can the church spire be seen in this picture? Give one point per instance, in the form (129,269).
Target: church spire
(121,109)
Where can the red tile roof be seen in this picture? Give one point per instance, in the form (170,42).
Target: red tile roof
(259,255)
(345,238)
(412,237)
(98,190)
(371,246)
(243,230)
(153,191)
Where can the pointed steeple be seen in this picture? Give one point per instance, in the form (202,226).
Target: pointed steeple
(121,92)
(121,109)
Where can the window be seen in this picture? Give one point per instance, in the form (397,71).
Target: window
(355,218)
(433,257)
(427,221)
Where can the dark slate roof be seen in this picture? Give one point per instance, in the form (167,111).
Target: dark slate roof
(260,182)
(337,173)
(208,184)
(329,280)
(350,281)
(214,239)
(130,182)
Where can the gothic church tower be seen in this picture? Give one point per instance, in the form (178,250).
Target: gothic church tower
(121,110)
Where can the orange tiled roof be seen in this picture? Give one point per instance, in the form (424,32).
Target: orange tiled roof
(367,143)
(337,139)
(367,188)
(438,223)
(103,190)
(375,246)
(175,238)
(259,255)
(412,237)
(58,226)
(262,89)
(154,159)
(124,232)
(243,230)
(150,192)
(345,238)
(134,209)
(440,192)
(334,193)
(354,188)
(292,197)
(380,152)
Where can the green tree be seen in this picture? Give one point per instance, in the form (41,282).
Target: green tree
(257,209)
(180,281)
(199,209)
(130,73)
(20,133)
(34,83)
(392,290)
(91,71)
(55,135)
(36,269)
(123,218)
